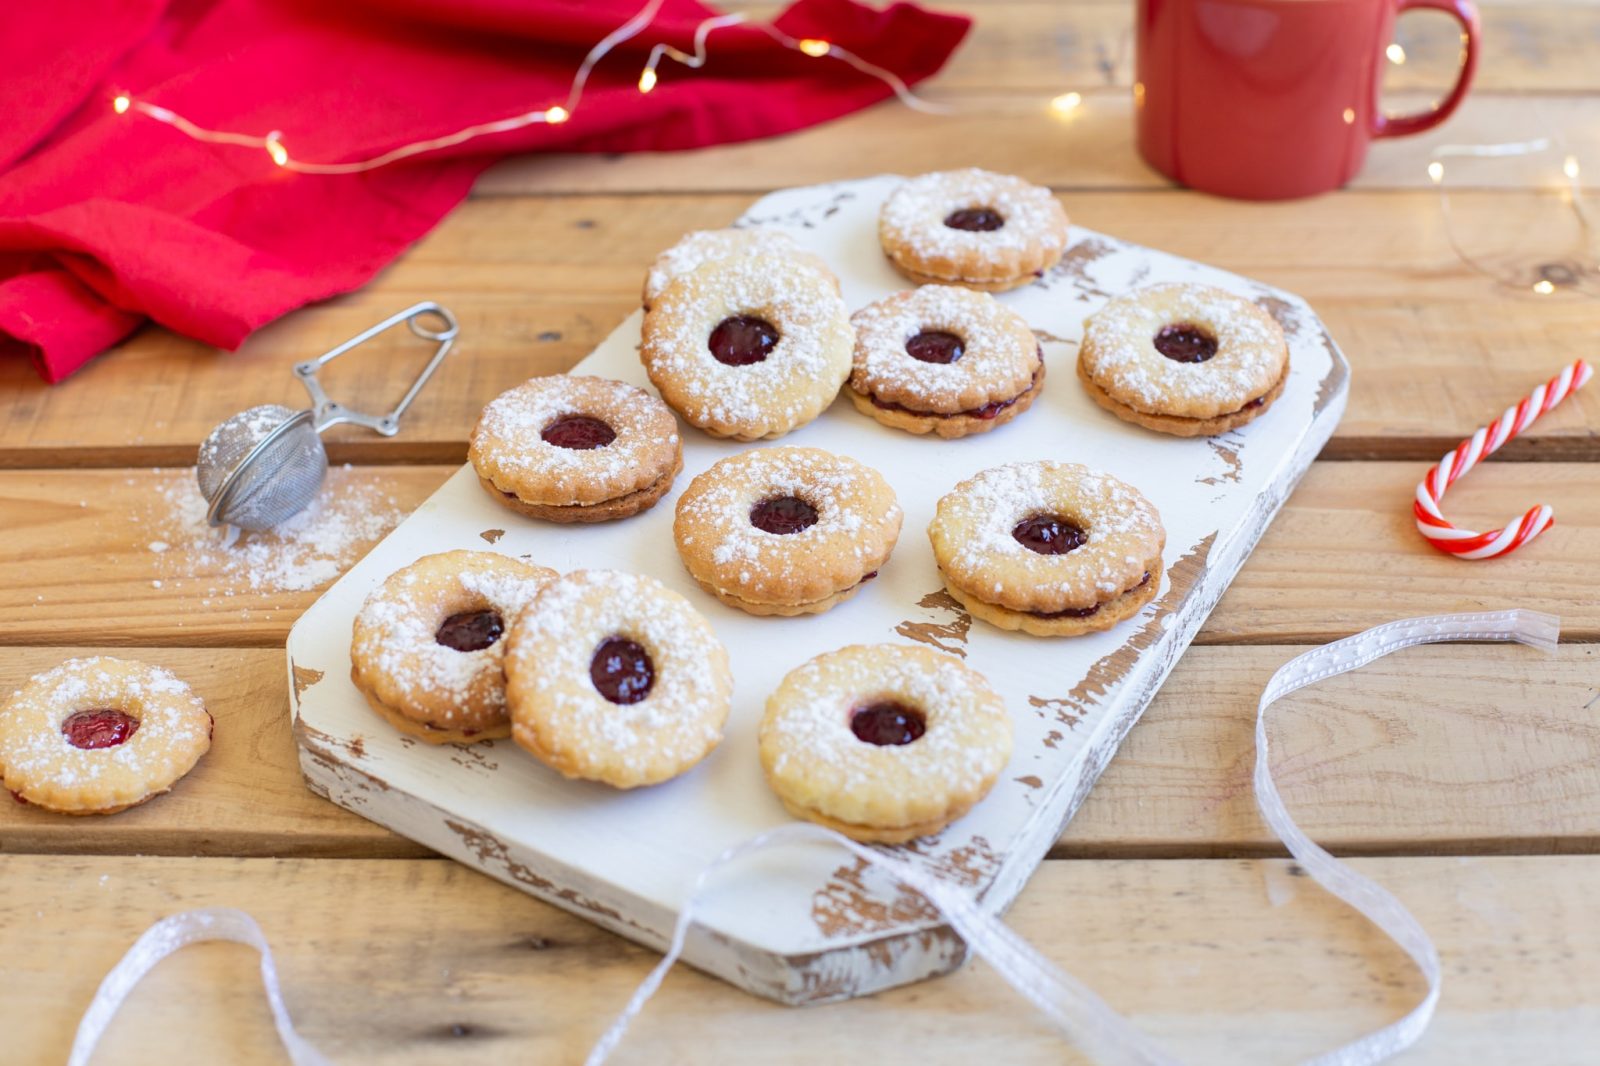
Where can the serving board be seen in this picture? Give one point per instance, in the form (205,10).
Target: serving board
(810,924)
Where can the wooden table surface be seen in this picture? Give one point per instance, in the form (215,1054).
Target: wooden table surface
(1466,779)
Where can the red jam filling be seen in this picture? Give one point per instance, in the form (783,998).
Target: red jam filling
(975,219)
(1185,343)
(102,727)
(578,432)
(621,670)
(1085,612)
(935,346)
(1048,534)
(742,340)
(986,412)
(783,515)
(470,630)
(887,724)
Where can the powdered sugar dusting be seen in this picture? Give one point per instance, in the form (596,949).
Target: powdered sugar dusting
(708,245)
(998,361)
(1034,234)
(307,551)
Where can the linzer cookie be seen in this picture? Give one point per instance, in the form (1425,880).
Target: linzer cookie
(709,245)
(426,648)
(944,360)
(786,531)
(972,228)
(1190,360)
(100,735)
(750,347)
(576,449)
(884,743)
(1051,549)
(614,677)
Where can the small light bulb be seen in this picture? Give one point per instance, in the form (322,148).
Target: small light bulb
(276,150)
(1349,116)
(1569,167)
(647,79)
(1543,288)
(1436,171)
(1396,54)
(1066,103)
(557,115)
(813,47)
(121,104)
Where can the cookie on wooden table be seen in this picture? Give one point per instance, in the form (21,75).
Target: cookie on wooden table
(972,228)
(426,647)
(750,347)
(613,677)
(1048,548)
(1185,359)
(944,360)
(884,743)
(100,735)
(786,531)
(576,449)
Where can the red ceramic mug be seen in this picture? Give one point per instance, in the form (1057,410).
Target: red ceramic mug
(1271,99)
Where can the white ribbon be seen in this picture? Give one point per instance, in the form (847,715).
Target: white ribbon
(1075,1010)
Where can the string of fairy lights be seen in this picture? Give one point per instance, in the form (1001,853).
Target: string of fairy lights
(1064,106)
(274,144)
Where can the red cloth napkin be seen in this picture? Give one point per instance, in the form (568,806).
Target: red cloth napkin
(106,219)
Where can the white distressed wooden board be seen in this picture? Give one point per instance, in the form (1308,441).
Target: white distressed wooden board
(807,925)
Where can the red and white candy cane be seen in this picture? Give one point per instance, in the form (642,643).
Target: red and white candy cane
(1464,542)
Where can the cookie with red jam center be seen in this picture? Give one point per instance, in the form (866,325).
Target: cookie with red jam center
(972,228)
(100,735)
(613,677)
(749,348)
(1189,360)
(883,743)
(1048,548)
(786,531)
(568,448)
(426,648)
(944,360)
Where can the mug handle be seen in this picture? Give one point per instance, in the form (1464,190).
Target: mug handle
(1466,14)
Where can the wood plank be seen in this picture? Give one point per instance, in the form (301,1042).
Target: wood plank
(424,961)
(77,564)
(1018,133)
(1049,48)
(1437,348)
(1438,750)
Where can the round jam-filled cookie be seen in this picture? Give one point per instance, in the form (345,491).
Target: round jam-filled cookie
(972,228)
(786,530)
(614,677)
(709,245)
(1189,360)
(1052,549)
(426,649)
(944,360)
(576,449)
(884,742)
(750,347)
(99,735)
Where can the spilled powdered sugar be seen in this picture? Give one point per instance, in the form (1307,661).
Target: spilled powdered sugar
(307,551)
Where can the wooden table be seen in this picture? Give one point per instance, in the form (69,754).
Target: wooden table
(1467,779)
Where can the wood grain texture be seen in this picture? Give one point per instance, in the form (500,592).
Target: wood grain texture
(1435,750)
(1227,961)
(77,566)
(1436,348)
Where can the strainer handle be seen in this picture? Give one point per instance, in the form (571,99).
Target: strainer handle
(328,413)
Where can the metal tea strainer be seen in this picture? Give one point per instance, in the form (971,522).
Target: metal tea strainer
(263,465)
